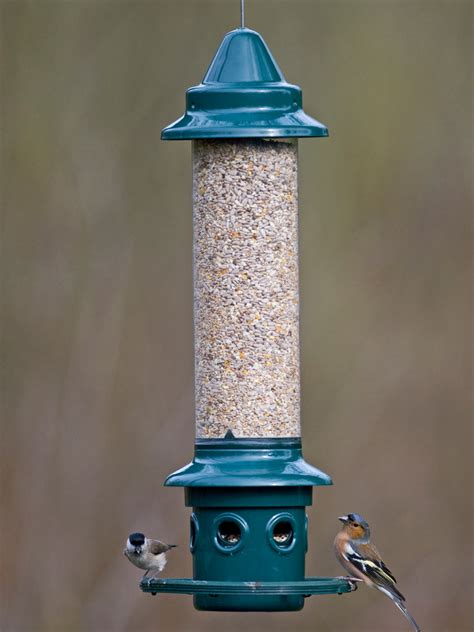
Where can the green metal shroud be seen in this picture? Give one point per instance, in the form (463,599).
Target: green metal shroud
(231,462)
(244,95)
(252,487)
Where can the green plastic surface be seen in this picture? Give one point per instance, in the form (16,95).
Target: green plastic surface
(246,494)
(307,587)
(243,95)
(249,596)
(253,559)
(249,496)
(248,463)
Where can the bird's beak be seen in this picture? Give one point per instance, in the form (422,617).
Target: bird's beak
(343,518)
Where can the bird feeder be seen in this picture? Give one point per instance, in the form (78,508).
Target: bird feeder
(248,484)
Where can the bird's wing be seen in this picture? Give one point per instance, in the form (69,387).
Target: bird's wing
(369,551)
(157,547)
(366,558)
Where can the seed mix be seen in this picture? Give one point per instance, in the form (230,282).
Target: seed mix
(246,303)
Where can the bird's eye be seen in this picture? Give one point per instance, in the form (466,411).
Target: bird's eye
(356,524)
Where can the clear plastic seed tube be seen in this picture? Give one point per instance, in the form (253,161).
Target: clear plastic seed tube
(246,302)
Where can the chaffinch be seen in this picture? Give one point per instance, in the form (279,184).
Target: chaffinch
(358,556)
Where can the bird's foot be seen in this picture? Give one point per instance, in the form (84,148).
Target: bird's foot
(352,581)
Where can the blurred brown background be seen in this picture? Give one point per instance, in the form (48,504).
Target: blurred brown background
(97,301)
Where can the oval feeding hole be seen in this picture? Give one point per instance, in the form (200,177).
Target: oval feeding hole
(229,533)
(192,532)
(282,533)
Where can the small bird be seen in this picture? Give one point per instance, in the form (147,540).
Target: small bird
(147,554)
(358,556)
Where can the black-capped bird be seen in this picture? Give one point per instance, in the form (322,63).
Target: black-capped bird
(149,555)
(362,560)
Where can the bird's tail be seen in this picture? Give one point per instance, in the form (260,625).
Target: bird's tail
(401,606)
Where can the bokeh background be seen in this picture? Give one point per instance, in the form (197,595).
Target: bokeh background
(97,364)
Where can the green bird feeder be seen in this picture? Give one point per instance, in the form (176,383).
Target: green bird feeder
(248,484)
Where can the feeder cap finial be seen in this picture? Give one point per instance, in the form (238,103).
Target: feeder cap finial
(243,57)
(243,95)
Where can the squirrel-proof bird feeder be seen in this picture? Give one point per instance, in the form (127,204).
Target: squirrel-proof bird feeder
(248,484)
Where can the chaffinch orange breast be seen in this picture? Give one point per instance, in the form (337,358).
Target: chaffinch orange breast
(362,560)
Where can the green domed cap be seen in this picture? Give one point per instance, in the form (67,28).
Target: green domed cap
(243,95)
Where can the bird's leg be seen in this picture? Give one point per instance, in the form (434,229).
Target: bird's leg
(348,578)
(153,576)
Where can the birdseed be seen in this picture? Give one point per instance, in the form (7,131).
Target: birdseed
(246,301)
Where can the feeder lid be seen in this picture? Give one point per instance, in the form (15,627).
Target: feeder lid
(243,95)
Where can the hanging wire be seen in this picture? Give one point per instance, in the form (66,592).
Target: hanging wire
(242,14)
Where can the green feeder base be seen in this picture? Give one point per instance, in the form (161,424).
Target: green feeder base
(248,526)
(249,596)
